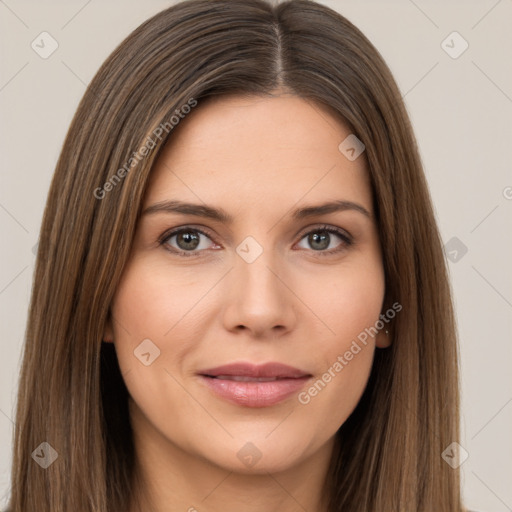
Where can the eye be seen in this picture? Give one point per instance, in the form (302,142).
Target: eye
(320,239)
(187,240)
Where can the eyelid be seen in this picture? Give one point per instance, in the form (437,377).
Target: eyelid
(326,227)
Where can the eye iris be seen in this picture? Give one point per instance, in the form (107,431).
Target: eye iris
(190,239)
(322,240)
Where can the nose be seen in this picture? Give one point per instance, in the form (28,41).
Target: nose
(259,298)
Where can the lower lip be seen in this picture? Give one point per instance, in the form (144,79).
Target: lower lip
(255,394)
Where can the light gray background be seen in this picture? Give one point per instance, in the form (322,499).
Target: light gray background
(461,110)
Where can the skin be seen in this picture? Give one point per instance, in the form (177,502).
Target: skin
(257,158)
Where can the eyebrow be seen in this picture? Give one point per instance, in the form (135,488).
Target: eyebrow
(220,215)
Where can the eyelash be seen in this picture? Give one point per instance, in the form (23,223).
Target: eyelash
(347,241)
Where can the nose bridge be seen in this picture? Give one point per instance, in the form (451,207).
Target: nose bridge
(253,271)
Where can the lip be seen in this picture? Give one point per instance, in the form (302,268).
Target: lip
(251,385)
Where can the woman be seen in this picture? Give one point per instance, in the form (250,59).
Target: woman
(240,299)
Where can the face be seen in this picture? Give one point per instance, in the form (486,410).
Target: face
(281,293)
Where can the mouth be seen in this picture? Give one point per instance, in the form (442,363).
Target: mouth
(240,378)
(249,385)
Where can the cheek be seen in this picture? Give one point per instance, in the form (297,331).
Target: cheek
(335,393)
(152,302)
(154,305)
(346,300)
(349,303)
(344,360)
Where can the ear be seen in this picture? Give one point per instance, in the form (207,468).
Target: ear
(383,340)
(108,332)
(384,337)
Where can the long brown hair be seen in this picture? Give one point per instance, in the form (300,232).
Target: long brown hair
(71,392)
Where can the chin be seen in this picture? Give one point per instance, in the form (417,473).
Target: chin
(259,456)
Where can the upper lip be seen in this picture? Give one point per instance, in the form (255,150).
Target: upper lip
(244,369)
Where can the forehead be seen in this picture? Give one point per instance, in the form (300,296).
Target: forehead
(245,151)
